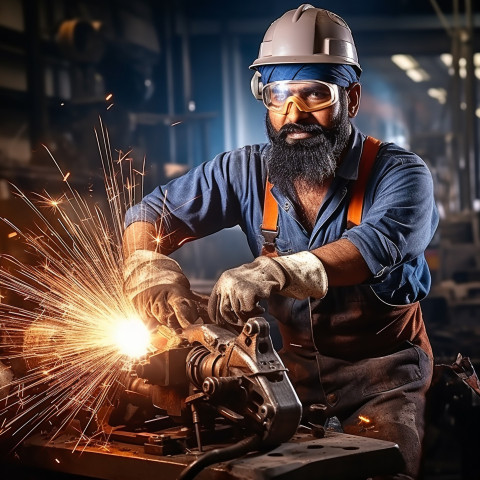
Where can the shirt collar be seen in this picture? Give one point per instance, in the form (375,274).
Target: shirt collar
(348,169)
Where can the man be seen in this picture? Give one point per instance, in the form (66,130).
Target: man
(345,295)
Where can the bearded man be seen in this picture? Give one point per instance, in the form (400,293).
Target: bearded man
(338,223)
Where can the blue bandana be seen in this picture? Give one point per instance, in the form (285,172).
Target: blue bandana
(341,75)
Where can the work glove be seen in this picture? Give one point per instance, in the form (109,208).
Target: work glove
(235,296)
(160,291)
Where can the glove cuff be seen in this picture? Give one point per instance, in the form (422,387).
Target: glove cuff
(306,275)
(145,268)
(143,258)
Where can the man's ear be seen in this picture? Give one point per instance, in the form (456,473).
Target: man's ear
(354,92)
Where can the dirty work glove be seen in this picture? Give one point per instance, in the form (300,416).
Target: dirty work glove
(159,290)
(234,297)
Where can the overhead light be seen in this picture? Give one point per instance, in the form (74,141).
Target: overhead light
(405,62)
(439,94)
(446,58)
(477,72)
(476,59)
(411,67)
(418,74)
(462,72)
(477,112)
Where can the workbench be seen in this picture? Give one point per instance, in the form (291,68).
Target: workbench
(336,456)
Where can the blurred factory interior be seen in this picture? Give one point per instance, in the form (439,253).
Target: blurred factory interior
(170,81)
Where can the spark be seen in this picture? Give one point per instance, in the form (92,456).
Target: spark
(72,325)
(176,123)
(364,419)
(110,106)
(132,337)
(185,240)
(109,97)
(12,234)
(46,201)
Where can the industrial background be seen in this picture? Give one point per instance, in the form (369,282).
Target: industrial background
(170,81)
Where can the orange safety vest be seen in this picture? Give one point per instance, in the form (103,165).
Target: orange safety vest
(354,216)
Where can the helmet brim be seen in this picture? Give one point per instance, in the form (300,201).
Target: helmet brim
(318,58)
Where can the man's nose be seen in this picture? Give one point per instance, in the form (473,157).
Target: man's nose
(294,111)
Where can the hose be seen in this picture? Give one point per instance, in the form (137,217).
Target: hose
(220,455)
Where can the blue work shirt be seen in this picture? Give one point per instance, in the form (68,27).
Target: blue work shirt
(399,214)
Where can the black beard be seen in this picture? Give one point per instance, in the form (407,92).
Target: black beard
(311,160)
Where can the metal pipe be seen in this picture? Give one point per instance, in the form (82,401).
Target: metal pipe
(459,160)
(471,134)
(189,104)
(172,140)
(228,119)
(35,74)
(442,17)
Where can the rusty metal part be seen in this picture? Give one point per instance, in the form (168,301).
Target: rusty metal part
(240,377)
(162,445)
(246,371)
(165,369)
(464,369)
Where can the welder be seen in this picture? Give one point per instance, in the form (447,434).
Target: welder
(338,223)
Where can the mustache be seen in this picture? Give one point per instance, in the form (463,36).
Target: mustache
(299,127)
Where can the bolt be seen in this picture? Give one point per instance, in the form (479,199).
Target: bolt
(209,386)
(251,328)
(159,439)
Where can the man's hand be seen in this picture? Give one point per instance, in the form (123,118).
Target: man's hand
(235,296)
(159,290)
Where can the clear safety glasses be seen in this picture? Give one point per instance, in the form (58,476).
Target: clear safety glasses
(307,95)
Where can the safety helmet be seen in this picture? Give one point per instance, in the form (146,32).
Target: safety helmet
(306,35)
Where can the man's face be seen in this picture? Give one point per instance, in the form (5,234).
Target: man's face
(326,118)
(307,146)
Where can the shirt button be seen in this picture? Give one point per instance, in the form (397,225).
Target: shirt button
(287,206)
(332,398)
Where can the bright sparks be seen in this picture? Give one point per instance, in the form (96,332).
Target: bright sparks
(65,316)
(364,419)
(132,337)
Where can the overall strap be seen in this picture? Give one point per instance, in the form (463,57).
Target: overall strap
(369,154)
(270,221)
(354,216)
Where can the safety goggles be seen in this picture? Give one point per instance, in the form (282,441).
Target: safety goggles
(307,95)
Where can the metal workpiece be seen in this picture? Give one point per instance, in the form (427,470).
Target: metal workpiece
(248,371)
(213,373)
(165,368)
(214,337)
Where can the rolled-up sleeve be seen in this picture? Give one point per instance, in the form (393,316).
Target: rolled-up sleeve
(208,198)
(399,217)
